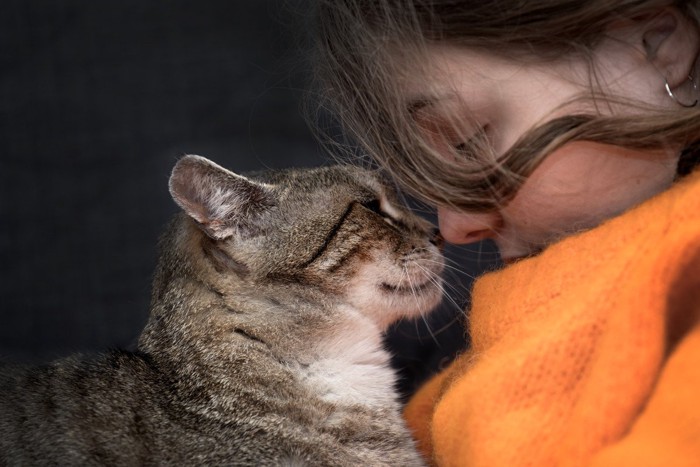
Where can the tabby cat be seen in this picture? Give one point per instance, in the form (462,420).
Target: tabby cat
(263,345)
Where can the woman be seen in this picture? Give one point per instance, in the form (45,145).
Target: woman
(564,131)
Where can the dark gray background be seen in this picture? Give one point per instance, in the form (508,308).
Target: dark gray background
(98,99)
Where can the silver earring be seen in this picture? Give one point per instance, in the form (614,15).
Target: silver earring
(682,104)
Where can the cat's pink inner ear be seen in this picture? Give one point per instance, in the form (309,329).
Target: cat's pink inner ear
(187,182)
(219,200)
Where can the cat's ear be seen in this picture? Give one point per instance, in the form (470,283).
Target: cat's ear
(222,202)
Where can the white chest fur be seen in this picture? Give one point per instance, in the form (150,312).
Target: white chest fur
(352,367)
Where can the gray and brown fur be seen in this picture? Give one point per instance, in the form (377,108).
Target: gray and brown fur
(263,345)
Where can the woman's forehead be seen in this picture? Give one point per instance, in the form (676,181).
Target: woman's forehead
(450,76)
(457,78)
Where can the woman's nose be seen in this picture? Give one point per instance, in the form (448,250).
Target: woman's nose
(461,228)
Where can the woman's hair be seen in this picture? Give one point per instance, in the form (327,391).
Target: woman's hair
(367,49)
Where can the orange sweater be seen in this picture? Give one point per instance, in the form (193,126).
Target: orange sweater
(586,355)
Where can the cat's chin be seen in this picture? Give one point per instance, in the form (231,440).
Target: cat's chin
(386,294)
(406,302)
(411,289)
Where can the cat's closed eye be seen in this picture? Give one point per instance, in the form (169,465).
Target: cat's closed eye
(375,205)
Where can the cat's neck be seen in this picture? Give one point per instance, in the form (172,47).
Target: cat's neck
(341,361)
(351,366)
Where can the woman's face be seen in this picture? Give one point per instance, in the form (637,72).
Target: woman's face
(577,186)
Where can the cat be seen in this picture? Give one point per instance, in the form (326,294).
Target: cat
(263,344)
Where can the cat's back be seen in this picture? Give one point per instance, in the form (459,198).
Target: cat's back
(120,409)
(97,410)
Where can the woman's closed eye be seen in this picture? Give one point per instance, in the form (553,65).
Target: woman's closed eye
(475,144)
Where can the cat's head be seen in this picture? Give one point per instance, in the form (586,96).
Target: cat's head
(339,231)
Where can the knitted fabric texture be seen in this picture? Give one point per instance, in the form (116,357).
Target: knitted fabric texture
(586,355)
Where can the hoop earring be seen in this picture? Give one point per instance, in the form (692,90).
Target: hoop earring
(670,93)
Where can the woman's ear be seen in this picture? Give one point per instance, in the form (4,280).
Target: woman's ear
(670,42)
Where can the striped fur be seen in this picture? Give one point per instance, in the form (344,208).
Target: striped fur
(263,346)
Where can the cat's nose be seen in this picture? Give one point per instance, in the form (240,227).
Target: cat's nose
(437,239)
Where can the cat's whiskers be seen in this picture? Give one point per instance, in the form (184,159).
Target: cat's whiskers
(449,289)
(451,265)
(435,278)
(431,278)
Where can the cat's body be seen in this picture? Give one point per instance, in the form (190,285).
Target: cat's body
(264,342)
